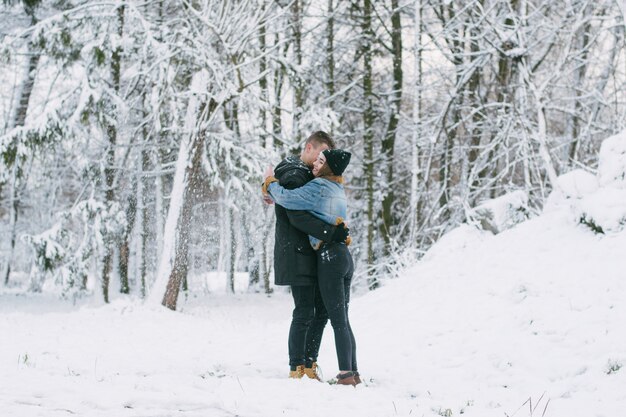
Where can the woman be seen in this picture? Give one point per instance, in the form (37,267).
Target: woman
(325,198)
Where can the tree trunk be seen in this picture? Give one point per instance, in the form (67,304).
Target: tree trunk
(444,168)
(368,137)
(266,266)
(131,216)
(159,204)
(192,181)
(298,83)
(109,170)
(13,215)
(451,118)
(389,141)
(255,265)
(19,119)
(253,268)
(573,122)
(142,220)
(233,251)
(181,257)
(174,258)
(263,83)
(603,78)
(27,85)
(277,124)
(231,118)
(330,49)
(417,116)
(475,131)
(544,152)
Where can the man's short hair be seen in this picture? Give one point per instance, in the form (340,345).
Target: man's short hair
(321,138)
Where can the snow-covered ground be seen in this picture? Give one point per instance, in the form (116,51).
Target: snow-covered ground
(483,324)
(528,322)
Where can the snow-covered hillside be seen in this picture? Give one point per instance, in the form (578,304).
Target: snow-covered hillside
(528,322)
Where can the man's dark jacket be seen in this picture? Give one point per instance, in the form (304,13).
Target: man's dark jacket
(294,258)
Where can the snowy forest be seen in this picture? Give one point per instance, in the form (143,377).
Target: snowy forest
(485,191)
(134,134)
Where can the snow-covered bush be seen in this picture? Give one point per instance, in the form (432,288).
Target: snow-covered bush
(571,188)
(68,251)
(605,210)
(501,213)
(613,366)
(48,251)
(612,161)
(598,202)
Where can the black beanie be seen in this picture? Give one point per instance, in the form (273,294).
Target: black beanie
(337,160)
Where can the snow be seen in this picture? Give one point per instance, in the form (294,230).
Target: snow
(599,201)
(612,161)
(480,326)
(501,213)
(606,208)
(575,185)
(526,322)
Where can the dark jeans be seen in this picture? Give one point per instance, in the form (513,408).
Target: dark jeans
(307,325)
(334,272)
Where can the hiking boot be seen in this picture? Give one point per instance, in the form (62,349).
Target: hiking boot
(298,373)
(346,378)
(357,378)
(312,372)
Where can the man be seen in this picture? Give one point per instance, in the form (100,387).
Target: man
(295,260)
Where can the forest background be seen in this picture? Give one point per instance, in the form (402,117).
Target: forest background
(133,134)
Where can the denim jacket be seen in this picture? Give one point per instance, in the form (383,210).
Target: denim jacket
(324,198)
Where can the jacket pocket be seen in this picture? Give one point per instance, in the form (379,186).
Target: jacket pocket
(306,261)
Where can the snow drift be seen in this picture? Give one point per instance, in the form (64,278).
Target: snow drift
(527,322)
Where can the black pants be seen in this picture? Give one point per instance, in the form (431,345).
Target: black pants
(307,325)
(334,274)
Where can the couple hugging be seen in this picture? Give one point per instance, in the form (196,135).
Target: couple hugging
(311,253)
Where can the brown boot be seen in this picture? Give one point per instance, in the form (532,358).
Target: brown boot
(357,377)
(346,378)
(312,372)
(298,373)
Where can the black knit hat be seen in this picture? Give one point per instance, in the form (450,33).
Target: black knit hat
(337,160)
